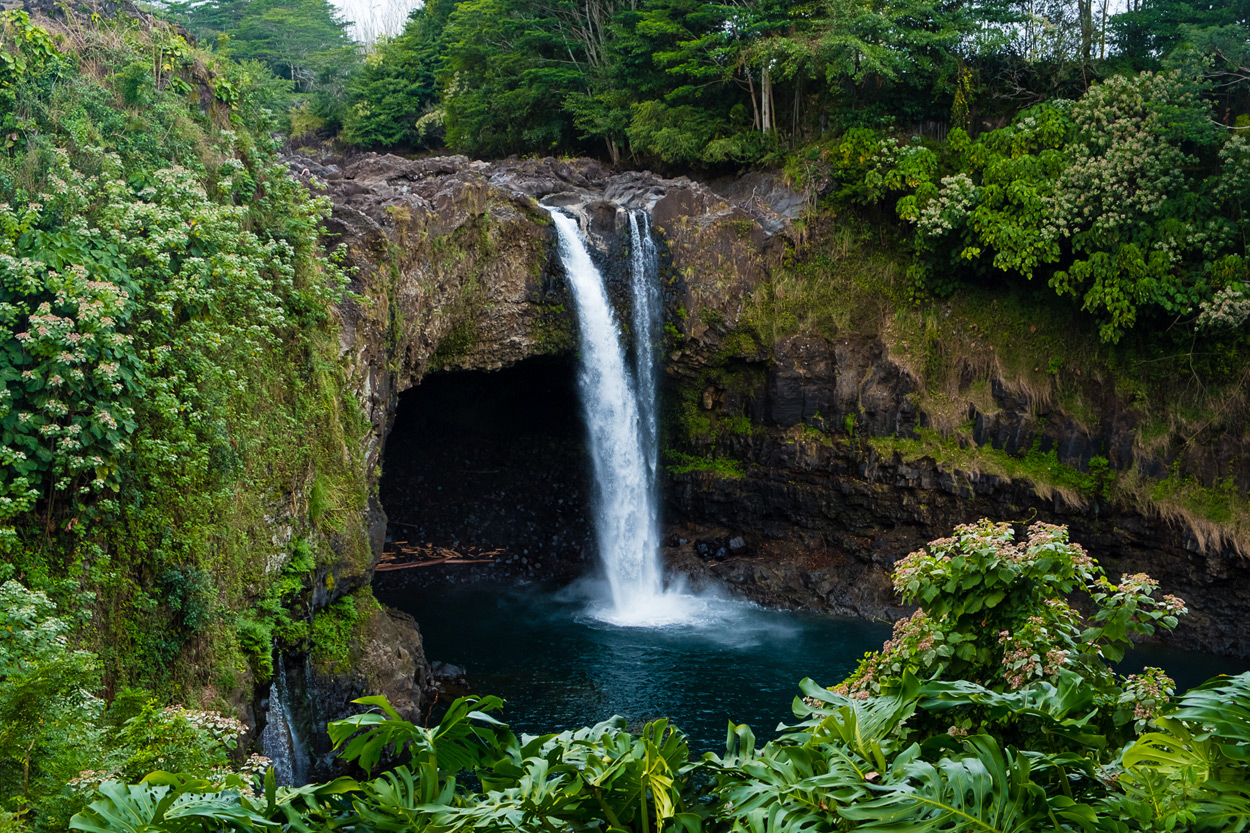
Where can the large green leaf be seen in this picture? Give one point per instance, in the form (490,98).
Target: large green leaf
(1223,705)
(169,804)
(865,726)
(1064,710)
(988,791)
(463,739)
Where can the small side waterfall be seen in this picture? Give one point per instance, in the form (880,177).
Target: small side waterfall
(646,321)
(279,740)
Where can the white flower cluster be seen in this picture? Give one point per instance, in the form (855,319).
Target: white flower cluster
(1229,309)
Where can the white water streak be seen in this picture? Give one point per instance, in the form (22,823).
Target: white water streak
(624,510)
(279,740)
(645,289)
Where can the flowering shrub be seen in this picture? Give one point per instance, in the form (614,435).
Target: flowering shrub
(164,330)
(1149,693)
(162,289)
(996,612)
(175,739)
(115,299)
(1126,200)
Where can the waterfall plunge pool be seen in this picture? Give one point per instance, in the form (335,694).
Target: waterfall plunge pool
(571,658)
(558,667)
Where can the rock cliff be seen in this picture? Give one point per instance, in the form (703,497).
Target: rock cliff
(454,271)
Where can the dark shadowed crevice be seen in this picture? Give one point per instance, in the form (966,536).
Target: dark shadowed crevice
(490,466)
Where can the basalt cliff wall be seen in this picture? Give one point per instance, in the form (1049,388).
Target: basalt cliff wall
(455,270)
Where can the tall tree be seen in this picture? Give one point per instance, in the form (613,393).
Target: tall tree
(395,94)
(304,41)
(508,67)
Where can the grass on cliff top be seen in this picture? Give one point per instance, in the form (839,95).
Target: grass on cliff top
(724,467)
(1049,478)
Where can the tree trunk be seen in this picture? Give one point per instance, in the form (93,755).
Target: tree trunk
(755,107)
(798,93)
(766,100)
(1086,10)
(1102,37)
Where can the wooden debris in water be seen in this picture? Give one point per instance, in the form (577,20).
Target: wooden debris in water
(404,555)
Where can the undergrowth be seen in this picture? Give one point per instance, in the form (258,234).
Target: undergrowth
(682,463)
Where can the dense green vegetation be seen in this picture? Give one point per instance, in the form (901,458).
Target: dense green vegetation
(992,709)
(1117,173)
(303,43)
(170,384)
(170,395)
(698,83)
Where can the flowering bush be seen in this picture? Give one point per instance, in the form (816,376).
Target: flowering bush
(997,612)
(48,711)
(120,298)
(1127,200)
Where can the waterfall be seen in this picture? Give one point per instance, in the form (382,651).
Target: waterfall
(645,289)
(279,740)
(619,408)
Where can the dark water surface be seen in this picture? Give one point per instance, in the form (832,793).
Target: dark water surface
(560,668)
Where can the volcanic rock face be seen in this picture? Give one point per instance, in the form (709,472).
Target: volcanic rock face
(455,267)
(824,518)
(454,270)
(455,258)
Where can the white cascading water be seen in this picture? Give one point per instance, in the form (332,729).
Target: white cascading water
(645,289)
(279,740)
(621,420)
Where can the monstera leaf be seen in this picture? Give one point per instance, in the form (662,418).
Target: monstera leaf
(1064,710)
(404,799)
(170,804)
(464,739)
(790,789)
(312,808)
(987,791)
(1223,706)
(1194,769)
(864,726)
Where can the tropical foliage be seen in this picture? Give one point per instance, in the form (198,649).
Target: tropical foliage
(59,740)
(1117,174)
(302,42)
(162,285)
(1130,200)
(1067,744)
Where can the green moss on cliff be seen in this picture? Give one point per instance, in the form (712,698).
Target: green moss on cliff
(224,422)
(681,463)
(339,630)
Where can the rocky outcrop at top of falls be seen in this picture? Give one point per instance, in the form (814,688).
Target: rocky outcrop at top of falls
(456,265)
(464,258)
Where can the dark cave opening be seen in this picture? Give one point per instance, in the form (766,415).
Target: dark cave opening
(487,471)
